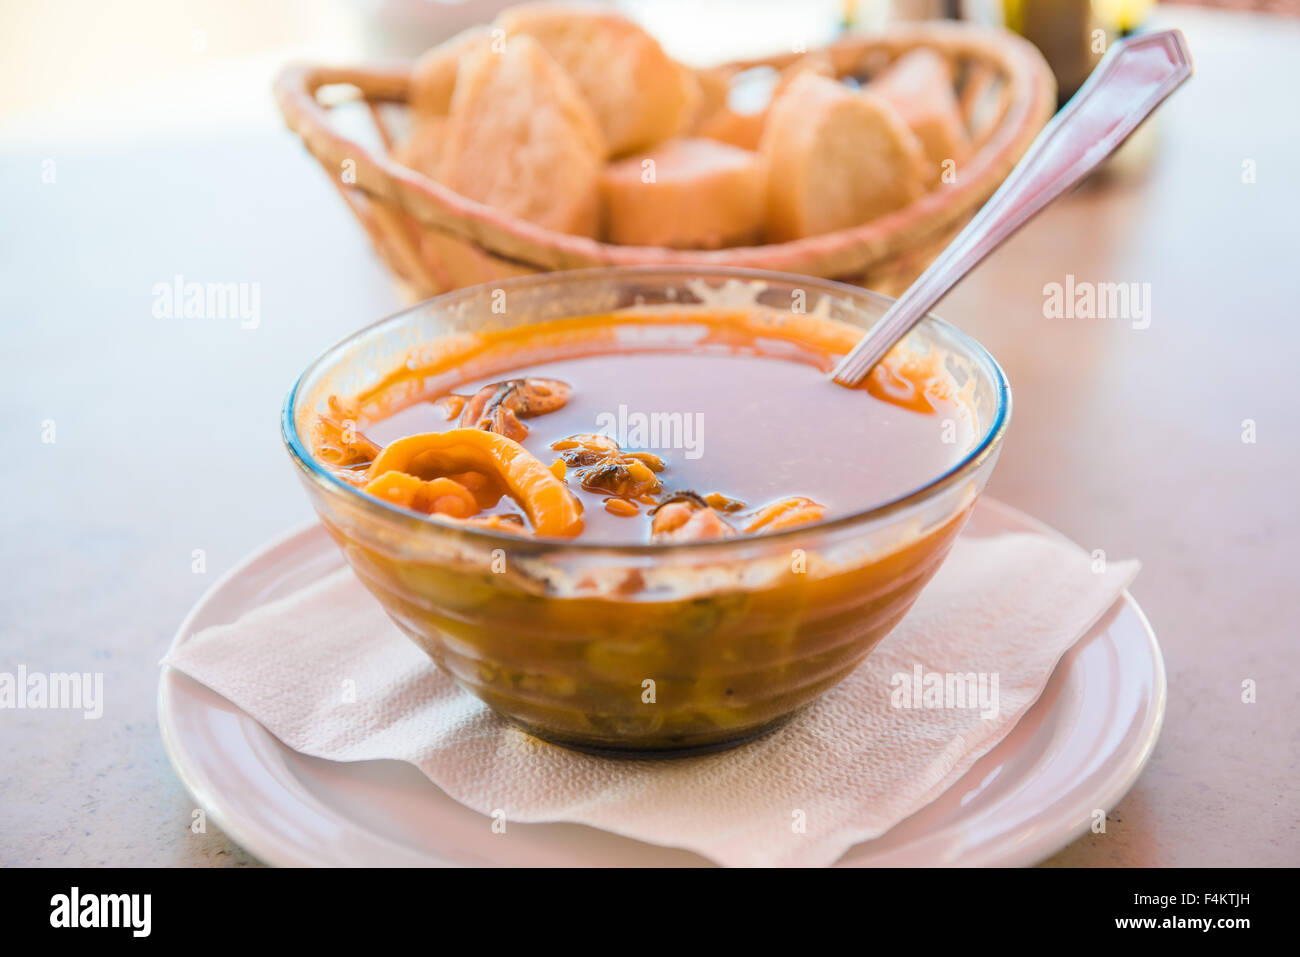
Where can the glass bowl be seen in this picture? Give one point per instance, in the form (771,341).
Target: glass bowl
(721,640)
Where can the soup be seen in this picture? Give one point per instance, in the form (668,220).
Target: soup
(655,428)
(620,531)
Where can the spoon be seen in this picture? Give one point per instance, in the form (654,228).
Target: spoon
(1132,79)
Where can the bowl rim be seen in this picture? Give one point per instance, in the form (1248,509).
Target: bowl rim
(987,445)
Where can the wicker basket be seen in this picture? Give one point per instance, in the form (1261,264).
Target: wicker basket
(435,240)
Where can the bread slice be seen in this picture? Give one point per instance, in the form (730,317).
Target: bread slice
(835,158)
(434,75)
(919,86)
(639,94)
(685,194)
(521,138)
(745,129)
(714,86)
(818,64)
(742,130)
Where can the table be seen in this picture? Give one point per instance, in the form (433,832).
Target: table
(166,467)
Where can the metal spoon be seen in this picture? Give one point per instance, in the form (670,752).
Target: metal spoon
(1132,79)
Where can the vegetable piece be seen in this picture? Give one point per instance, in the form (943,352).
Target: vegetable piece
(787,513)
(550,506)
(685,517)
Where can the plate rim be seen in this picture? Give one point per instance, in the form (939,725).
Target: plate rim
(1117,782)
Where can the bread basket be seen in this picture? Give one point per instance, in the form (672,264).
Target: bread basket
(436,240)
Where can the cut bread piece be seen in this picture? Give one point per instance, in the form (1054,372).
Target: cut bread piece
(422,151)
(433,78)
(714,85)
(521,138)
(817,64)
(835,158)
(685,194)
(639,94)
(729,123)
(919,86)
(742,130)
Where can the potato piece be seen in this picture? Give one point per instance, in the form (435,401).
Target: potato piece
(919,86)
(685,194)
(836,158)
(639,94)
(521,138)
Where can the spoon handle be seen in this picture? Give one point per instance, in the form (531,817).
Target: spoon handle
(1131,80)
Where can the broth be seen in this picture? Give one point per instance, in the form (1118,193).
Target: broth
(734,414)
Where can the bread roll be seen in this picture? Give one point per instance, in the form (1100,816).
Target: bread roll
(714,85)
(919,86)
(434,75)
(685,194)
(745,129)
(835,158)
(639,94)
(817,64)
(422,150)
(521,138)
(742,130)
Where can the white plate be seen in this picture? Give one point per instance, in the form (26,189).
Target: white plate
(1078,749)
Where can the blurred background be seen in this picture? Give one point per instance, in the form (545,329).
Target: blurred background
(139,142)
(125,69)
